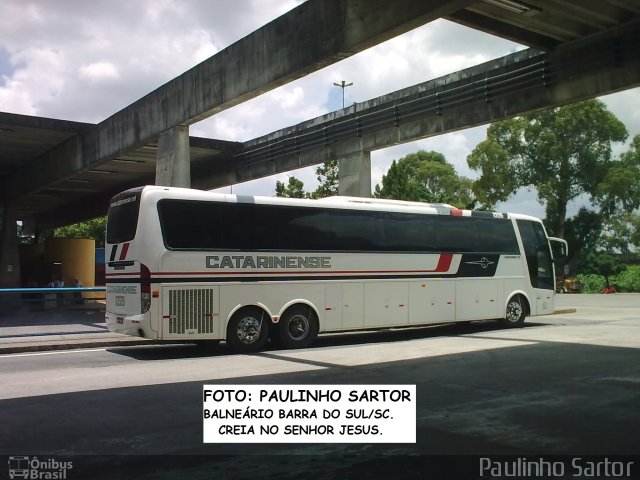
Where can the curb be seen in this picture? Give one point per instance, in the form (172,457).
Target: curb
(75,344)
(561,311)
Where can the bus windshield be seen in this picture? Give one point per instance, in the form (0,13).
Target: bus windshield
(122,218)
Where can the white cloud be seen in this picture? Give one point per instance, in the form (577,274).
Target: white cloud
(15,99)
(39,77)
(99,71)
(289,97)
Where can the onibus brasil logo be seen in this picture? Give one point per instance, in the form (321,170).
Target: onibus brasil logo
(38,469)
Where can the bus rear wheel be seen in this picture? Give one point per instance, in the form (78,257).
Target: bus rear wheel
(248,330)
(297,328)
(515,313)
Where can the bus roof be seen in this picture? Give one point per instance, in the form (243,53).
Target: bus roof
(354,203)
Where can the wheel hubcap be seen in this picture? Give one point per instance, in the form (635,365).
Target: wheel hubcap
(248,330)
(298,327)
(514,311)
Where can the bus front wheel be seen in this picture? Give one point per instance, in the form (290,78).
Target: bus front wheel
(515,313)
(248,329)
(297,328)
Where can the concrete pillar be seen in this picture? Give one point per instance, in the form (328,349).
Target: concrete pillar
(9,256)
(173,167)
(354,174)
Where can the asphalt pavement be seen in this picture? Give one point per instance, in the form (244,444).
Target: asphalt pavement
(26,327)
(30,327)
(563,386)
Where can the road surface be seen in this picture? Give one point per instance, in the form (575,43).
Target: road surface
(564,385)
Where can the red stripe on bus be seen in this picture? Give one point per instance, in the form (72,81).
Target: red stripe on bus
(295,272)
(125,249)
(444,263)
(443,267)
(456,212)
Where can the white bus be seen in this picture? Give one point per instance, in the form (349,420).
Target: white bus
(186,264)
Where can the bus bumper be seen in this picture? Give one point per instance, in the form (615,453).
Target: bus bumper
(133,325)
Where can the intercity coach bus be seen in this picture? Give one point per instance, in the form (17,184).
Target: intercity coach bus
(185,264)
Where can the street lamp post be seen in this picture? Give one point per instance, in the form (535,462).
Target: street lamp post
(343,85)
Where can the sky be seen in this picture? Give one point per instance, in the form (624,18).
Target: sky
(86,60)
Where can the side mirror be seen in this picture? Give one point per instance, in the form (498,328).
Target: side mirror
(559,248)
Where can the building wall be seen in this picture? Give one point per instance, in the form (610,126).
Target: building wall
(76,256)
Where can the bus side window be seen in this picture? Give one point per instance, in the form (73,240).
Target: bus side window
(189,225)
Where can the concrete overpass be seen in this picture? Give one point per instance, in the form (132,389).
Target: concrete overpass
(46,178)
(514,84)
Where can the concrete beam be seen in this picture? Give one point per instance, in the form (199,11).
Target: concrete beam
(88,207)
(509,86)
(313,35)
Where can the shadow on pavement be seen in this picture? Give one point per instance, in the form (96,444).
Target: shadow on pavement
(175,350)
(543,398)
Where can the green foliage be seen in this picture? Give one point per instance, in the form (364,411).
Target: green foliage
(400,183)
(604,264)
(591,283)
(428,177)
(582,232)
(620,187)
(562,153)
(620,233)
(94,228)
(499,175)
(327,175)
(294,189)
(626,281)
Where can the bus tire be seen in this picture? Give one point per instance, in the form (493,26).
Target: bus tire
(297,328)
(248,329)
(515,313)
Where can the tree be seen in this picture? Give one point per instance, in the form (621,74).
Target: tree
(562,153)
(327,175)
(427,177)
(612,229)
(94,228)
(619,190)
(582,233)
(605,264)
(294,189)
(401,183)
(620,233)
